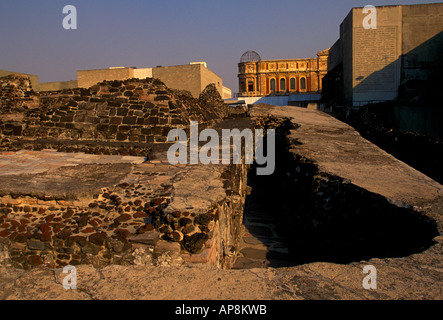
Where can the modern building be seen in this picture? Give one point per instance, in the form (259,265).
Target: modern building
(398,56)
(88,78)
(193,77)
(226,93)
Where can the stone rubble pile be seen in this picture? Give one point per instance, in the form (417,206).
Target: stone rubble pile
(15,93)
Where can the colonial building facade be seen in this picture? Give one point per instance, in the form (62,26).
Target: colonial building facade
(258,78)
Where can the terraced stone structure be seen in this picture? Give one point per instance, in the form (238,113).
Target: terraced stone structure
(120,213)
(126,113)
(78,188)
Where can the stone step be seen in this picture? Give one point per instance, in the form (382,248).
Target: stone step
(254,253)
(246,263)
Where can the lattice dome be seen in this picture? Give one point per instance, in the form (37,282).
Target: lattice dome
(250,56)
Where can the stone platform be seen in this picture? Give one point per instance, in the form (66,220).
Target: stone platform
(74,208)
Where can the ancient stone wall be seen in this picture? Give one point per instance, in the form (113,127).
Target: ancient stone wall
(105,213)
(143,223)
(34,78)
(15,93)
(130,111)
(88,78)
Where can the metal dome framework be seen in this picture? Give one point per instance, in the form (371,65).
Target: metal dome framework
(250,56)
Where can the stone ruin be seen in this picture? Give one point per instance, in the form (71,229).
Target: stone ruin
(123,115)
(144,212)
(118,209)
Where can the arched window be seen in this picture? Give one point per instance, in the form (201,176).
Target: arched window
(282,84)
(272,84)
(250,86)
(292,84)
(303,84)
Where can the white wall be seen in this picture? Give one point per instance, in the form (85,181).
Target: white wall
(143,73)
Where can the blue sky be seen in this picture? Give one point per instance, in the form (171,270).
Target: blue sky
(145,33)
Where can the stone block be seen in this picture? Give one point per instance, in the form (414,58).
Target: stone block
(112,112)
(139,113)
(113,129)
(186,257)
(85,106)
(202,257)
(55,118)
(157,130)
(135,107)
(136,138)
(93,120)
(163,246)
(98,238)
(93,99)
(124,128)
(151,121)
(102,128)
(149,238)
(129,120)
(163,121)
(146,131)
(175,121)
(114,104)
(35,260)
(121,100)
(17,130)
(162,98)
(149,105)
(122,136)
(35,245)
(122,112)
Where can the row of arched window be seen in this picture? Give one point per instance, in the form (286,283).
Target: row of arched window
(292,84)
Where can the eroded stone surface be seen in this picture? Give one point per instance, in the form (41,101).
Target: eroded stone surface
(98,209)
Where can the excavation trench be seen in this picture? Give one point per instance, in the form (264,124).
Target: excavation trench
(300,215)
